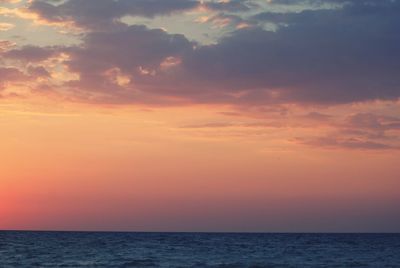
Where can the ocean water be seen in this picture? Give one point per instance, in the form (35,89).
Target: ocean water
(92,249)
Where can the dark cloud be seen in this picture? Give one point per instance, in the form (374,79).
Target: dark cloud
(131,52)
(321,2)
(130,48)
(31,53)
(100,13)
(326,56)
(323,56)
(8,74)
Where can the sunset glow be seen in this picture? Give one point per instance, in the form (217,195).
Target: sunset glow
(188,116)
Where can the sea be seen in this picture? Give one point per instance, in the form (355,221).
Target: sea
(219,250)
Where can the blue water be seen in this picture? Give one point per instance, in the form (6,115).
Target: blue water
(81,249)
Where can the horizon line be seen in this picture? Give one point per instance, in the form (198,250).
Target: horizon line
(196,232)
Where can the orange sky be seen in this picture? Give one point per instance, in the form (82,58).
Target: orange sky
(200,116)
(84,167)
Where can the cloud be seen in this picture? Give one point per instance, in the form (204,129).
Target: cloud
(316,116)
(31,53)
(322,56)
(318,2)
(222,20)
(8,74)
(371,125)
(9,1)
(38,72)
(347,143)
(6,26)
(350,55)
(313,58)
(231,6)
(359,131)
(373,121)
(103,13)
(319,57)
(111,63)
(209,125)
(5,45)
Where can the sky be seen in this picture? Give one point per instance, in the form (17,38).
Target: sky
(200,115)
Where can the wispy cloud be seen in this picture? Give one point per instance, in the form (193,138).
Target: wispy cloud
(6,26)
